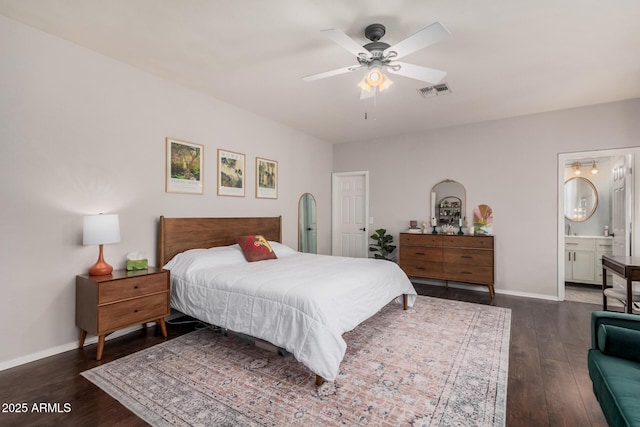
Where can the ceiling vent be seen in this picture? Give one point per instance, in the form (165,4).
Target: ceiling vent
(435,90)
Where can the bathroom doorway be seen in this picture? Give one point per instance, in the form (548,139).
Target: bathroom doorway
(587,203)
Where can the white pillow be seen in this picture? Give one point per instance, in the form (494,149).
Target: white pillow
(221,256)
(281,250)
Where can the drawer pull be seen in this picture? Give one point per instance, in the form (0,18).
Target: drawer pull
(135,311)
(466,256)
(419,268)
(135,287)
(570,243)
(466,272)
(419,253)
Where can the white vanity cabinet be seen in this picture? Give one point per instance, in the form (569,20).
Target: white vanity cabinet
(583,258)
(579,261)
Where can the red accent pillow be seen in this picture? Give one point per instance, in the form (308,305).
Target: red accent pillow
(256,248)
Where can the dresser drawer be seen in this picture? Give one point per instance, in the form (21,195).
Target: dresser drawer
(420,254)
(468,256)
(420,239)
(455,241)
(432,270)
(132,287)
(469,274)
(131,312)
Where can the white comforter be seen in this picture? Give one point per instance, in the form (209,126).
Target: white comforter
(300,302)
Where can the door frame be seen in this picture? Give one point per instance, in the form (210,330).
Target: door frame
(335,214)
(633,206)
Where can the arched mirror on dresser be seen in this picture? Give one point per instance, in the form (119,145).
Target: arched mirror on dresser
(580,199)
(307,228)
(448,203)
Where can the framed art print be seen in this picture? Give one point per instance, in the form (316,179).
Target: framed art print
(266,178)
(184,168)
(231,172)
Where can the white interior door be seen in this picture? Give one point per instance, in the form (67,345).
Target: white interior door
(619,195)
(350,213)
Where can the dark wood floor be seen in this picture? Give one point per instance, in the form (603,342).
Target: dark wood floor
(548,380)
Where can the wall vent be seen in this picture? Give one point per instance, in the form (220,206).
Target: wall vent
(435,90)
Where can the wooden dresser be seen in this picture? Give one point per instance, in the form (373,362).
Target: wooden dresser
(456,258)
(121,299)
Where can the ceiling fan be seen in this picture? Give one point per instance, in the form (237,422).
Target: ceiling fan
(378,56)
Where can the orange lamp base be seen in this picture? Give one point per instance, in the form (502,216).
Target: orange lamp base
(100,268)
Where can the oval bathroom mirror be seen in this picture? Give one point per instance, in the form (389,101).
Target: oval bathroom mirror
(580,199)
(307,232)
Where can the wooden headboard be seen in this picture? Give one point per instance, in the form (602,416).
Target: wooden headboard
(180,234)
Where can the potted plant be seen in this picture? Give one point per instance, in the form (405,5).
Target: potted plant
(383,246)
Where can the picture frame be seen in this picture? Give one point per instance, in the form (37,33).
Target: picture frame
(184,167)
(231,173)
(266,178)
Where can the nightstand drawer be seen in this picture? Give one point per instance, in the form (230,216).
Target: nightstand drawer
(132,287)
(126,313)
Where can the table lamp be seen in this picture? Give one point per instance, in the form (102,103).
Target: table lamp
(100,230)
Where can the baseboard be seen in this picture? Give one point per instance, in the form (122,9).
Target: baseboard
(482,288)
(72,346)
(527,295)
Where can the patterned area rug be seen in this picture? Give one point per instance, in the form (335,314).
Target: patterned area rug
(441,363)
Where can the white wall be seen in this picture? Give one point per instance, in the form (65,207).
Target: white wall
(510,164)
(81,134)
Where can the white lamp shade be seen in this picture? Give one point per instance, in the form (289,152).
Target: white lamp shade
(101,229)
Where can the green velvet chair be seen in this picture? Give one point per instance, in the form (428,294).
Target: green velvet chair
(614,366)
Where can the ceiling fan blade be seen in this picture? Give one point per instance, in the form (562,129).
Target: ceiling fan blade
(331,73)
(346,42)
(423,38)
(416,72)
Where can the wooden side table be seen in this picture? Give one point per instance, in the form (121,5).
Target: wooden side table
(623,266)
(119,300)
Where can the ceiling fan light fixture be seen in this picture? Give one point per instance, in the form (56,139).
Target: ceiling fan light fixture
(375,77)
(364,85)
(386,83)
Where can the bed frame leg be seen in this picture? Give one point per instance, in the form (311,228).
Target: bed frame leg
(405,301)
(319,380)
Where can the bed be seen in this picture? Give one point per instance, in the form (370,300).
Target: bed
(300,302)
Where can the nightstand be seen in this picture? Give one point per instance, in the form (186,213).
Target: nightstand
(119,300)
